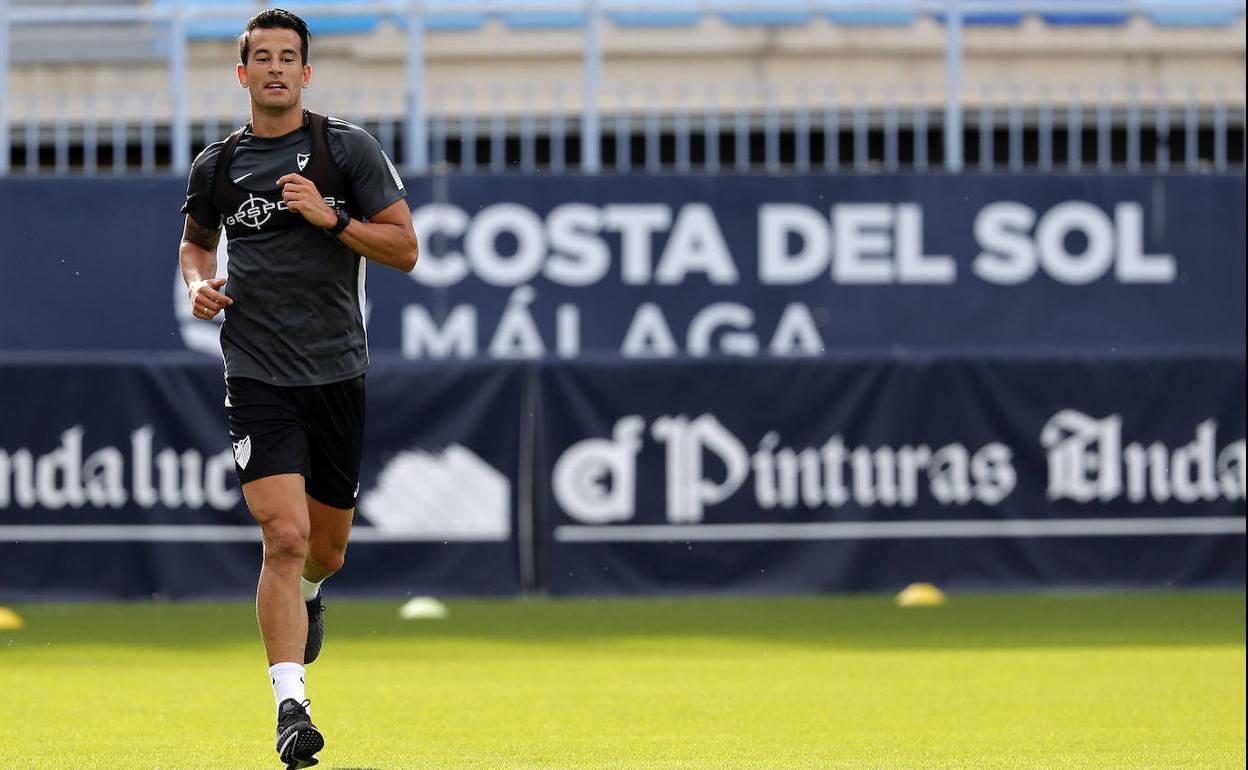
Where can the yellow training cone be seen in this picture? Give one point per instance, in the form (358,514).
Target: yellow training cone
(921,595)
(10,620)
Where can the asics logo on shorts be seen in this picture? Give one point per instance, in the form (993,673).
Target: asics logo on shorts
(242,451)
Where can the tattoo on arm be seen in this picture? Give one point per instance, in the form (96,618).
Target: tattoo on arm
(201,236)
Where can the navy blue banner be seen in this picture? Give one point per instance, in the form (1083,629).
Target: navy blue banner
(117,480)
(645,267)
(870,474)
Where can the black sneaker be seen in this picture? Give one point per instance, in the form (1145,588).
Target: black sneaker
(297,738)
(316,629)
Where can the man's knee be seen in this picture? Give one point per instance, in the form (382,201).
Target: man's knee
(285,540)
(277,504)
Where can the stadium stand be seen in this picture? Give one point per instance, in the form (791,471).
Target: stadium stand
(804,102)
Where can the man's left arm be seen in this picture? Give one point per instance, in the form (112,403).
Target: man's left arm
(387,238)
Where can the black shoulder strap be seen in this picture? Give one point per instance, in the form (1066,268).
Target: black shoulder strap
(223,162)
(318,129)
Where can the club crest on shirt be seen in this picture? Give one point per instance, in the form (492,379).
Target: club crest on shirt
(242,451)
(301,159)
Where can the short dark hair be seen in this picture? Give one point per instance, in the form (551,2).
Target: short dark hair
(274,18)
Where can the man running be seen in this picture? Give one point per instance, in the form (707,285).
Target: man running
(304,200)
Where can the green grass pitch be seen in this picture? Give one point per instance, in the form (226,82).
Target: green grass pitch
(1000,681)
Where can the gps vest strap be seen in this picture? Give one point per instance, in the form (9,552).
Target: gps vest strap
(244,212)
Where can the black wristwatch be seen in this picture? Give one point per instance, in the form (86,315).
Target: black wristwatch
(344,219)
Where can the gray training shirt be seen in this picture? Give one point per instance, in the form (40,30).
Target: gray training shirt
(298,292)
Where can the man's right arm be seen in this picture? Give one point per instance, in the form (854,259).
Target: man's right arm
(197,255)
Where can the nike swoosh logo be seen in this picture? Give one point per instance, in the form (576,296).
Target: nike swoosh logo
(244,176)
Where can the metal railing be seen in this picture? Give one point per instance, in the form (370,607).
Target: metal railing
(631,126)
(669,127)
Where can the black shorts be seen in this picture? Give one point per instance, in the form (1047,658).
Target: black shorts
(314,430)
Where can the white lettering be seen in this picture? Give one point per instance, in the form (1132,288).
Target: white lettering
(1088,462)
(594,481)
(580,258)
(636,225)
(62,478)
(64,463)
(992,468)
(568,331)
(217,474)
(834,489)
(17,478)
(1233,470)
(1192,466)
(1134,266)
(696,245)
(170,483)
(1147,472)
(764,465)
(517,335)
(949,475)
(141,456)
(796,333)
(1063,220)
(1084,456)
(913,266)
(648,334)
(689,491)
(481,244)
(193,480)
(863,243)
(431,223)
(777,222)
(103,476)
(456,338)
(1009,255)
(722,314)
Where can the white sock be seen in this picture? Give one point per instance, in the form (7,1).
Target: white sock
(309,589)
(287,679)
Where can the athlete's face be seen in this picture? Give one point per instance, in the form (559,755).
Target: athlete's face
(275,73)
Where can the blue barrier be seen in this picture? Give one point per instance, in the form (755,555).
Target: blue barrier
(883,18)
(522,14)
(1022,381)
(117,481)
(606,476)
(1163,13)
(798,266)
(653,19)
(870,474)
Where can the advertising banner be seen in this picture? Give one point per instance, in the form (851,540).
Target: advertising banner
(665,383)
(524,267)
(117,480)
(610,476)
(871,474)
